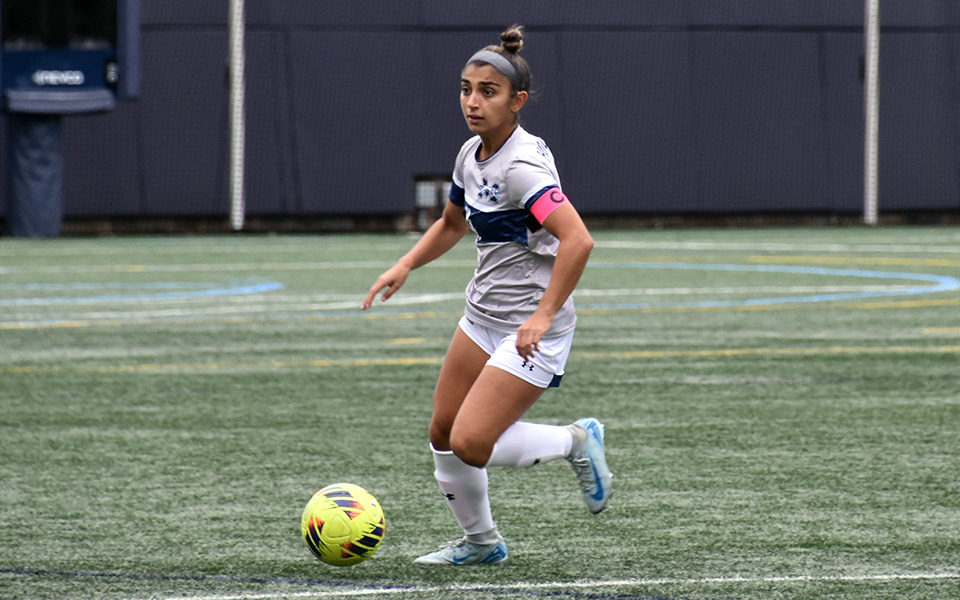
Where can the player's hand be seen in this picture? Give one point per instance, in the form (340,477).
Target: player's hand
(530,333)
(392,279)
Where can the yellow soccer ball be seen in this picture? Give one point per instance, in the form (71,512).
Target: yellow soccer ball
(343,524)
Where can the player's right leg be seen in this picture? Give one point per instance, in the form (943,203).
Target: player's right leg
(463,363)
(464,486)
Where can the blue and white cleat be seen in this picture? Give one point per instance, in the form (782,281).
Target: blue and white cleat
(589,462)
(463,553)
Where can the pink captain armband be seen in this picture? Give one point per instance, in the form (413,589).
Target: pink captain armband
(550,201)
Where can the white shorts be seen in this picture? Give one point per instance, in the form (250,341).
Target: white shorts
(545,368)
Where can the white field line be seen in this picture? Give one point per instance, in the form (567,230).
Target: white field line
(269,301)
(568,585)
(217,246)
(226,308)
(178,245)
(323,265)
(254,304)
(241,304)
(674,291)
(223,267)
(779,247)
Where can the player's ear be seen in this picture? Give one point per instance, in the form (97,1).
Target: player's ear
(519,99)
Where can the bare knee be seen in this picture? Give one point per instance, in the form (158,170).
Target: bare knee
(439,438)
(473,451)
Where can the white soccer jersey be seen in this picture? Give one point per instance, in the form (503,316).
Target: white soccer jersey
(514,253)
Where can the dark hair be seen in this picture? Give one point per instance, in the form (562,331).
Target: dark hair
(511,42)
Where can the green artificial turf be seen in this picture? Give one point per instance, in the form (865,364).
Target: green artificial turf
(781,409)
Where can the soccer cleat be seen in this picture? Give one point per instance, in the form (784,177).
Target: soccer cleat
(462,553)
(590,465)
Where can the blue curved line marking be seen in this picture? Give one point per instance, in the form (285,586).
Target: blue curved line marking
(938,283)
(237,290)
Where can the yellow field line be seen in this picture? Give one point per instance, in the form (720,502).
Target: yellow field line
(119,323)
(939,330)
(222,366)
(57,325)
(902,304)
(834,350)
(867,305)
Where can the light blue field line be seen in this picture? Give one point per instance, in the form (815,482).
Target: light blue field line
(256,288)
(941,283)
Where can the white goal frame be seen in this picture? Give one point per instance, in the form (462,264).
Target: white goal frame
(871,144)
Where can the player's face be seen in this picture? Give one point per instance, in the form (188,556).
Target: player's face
(489,105)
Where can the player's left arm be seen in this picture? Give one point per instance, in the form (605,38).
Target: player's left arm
(576,243)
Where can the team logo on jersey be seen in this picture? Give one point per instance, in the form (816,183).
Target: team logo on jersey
(489,192)
(542,149)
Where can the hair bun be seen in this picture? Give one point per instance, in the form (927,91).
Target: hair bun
(511,40)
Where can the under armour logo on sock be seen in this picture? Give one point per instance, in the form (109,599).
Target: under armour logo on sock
(450,497)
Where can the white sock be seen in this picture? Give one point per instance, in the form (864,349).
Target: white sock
(579,438)
(465,488)
(528,444)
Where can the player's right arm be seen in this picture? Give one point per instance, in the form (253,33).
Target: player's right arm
(438,239)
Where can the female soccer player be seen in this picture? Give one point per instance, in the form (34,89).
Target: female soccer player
(514,338)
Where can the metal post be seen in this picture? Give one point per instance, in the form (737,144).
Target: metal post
(871,167)
(237,113)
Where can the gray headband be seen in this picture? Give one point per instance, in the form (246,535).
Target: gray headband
(498,62)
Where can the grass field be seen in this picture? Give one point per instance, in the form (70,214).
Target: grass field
(782,410)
